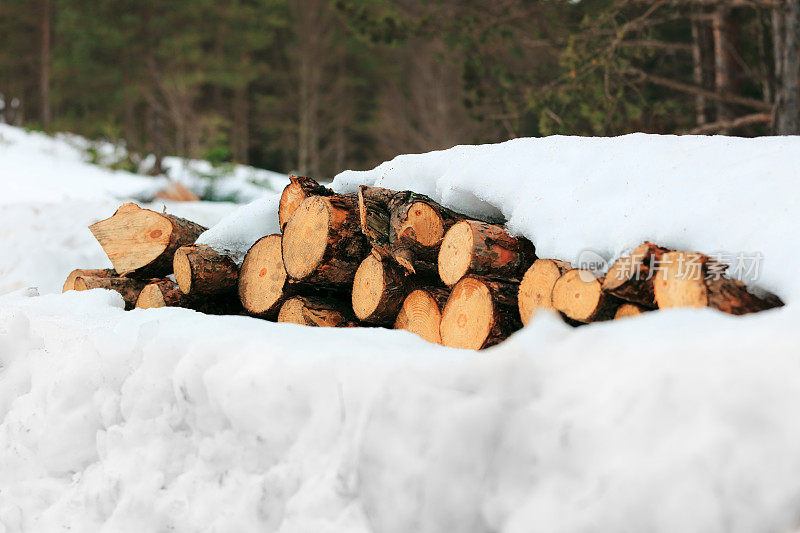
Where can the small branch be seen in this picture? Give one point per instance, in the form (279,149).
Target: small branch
(746,120)
(692,89)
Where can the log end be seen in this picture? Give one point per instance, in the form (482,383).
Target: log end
(536,288)
(468,316)
(305,237)
(679,281)
(368,287)
(262,277)
(420,314)
(579,295)
(183,269)
(455,255)
(151,297)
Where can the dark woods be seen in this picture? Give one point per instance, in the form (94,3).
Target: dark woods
(315,86)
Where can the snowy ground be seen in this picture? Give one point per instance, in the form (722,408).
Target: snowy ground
(165,419)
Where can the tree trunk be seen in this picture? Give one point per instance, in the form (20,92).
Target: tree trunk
(473,247)
(142,243)
(241,141)
(692,279)
(128,288)
(721,21)
(317,312)
(421,313)
(480,312)
(536,288)
(787,54)
(578,294)
(44,80)
(69,284)
(323,243)
(631,277)
(201,270)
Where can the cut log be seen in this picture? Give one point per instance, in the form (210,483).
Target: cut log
(299,189)
(421,313)
(263,283)
(69,284)
(536,288)
(479,313)
(629,309)
(631,277)
(167,293)
(405,225)
(379,288)
(201,270)
(162,293)
(128,288)
(578,294)
(323,243)
(314,311)
(473,247)
(177,192)
(141,243)
(692,279)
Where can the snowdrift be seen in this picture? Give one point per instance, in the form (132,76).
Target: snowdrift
(681,420)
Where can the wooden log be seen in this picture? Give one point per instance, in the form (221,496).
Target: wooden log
(631,277)
(480,312)
(128,288)
(177,192)
(379,288)
(69,284)
(474,247)
(405,225)
(536,288)
(323,243)
(141,243)
(263,283)
(201,270)
(167,293)
(578,294)
(315,311)
(692,279)
(299,188)
(421,313)
(162,293)
(628,309)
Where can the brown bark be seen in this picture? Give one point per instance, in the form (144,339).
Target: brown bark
(474,247)
(631,277)
(579,296)
(201,270)
(128,288)
(141,243)
(379,288)
(299,188)
(421,313)
(44,77)
(166,293)
(536,288)
(480,312)
(787,56)
(69,284)
(315,311)
(323,243)
(692,279)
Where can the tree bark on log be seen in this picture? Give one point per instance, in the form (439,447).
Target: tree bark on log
(379,288)
(141,243)
(692,279)
(631,277)
(323,243)
(69,284)
(474,247)
(167,293)
(480,312)
(405,225)
(299,188)
(201,270)
(421,313)
(578,294)
(315,311)
(128,288)
(536,288)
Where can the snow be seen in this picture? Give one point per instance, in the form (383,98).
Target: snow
(681,420)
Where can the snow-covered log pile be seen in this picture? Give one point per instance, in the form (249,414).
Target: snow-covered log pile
(395,259)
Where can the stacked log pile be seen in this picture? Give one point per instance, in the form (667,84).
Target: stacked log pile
(393,259)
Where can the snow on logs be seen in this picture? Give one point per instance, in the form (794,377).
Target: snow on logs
(141,243)
(394,259)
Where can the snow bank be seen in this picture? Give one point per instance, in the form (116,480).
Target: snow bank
(682,420)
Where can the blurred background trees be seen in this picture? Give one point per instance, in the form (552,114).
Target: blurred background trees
(316,86)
